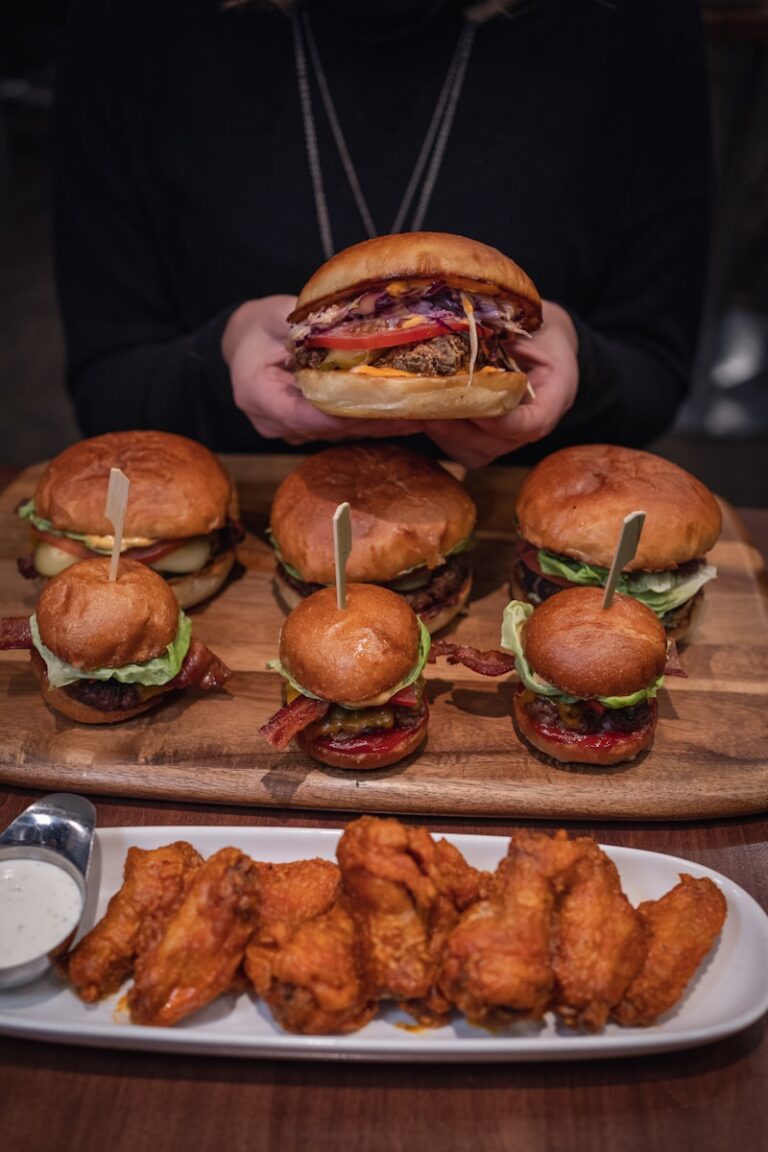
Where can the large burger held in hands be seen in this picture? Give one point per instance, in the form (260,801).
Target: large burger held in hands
(412,526)
(567,512)
(105,650)
(418,325)
(354,693)
(588,675)
(177,520)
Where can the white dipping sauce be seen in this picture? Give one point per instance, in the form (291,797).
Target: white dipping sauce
(40,904)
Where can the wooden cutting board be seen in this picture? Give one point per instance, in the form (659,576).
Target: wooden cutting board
(710,756)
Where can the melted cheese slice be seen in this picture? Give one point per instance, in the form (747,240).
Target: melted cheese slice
(370,370)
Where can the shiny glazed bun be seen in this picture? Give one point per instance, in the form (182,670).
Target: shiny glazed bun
(353,655)
(574,501)
(418,255)
(92,622)
(406,511)
(178,487)
(571,641)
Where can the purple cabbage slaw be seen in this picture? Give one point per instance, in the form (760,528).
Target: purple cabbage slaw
(436,302)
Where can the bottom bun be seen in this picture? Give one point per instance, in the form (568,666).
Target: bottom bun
(367,752)
(75,709)
(195,587)
(412,397)
(569,747)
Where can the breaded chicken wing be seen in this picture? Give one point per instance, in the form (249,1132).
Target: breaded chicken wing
(405,893)
(317,984)
(203,945)
(155,882)
(680,929)
(289,894)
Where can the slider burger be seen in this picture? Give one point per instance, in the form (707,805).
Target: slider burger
(588,675)
(176,521)
(354,693)
(412,525)
(418,325)
(567,512)
(105,650)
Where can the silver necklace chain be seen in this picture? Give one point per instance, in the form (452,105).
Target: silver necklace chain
(434,143)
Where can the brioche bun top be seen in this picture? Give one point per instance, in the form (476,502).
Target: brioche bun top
(353,654)
(586,650)
(178,487)
(419,256)
(574,502)
(406,511)
(92,622)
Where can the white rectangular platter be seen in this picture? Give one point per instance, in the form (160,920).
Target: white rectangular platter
(729,992)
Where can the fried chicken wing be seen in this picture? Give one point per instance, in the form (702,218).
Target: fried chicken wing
(203,945)
(680,928)
(317,984)
(405,893)
(289,894)
(155,882)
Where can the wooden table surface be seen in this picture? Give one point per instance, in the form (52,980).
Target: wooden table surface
(63,1097)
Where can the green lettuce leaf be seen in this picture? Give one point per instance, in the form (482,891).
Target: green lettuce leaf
(662,592)
(152,673)
(27,512)
(425,643)
(515,615)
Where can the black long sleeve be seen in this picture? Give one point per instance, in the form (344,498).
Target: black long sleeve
(580,147)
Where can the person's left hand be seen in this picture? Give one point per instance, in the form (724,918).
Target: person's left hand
(549,359)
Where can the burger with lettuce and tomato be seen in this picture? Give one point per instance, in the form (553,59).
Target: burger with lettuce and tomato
(353,687)
(106,650)
(418,325)
(412,527)
(568,510)
(177,520)
(588,675)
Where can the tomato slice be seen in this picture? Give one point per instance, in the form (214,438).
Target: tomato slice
(384,337)
(73,547)
(153,551)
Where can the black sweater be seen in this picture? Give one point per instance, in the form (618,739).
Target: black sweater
(580,147)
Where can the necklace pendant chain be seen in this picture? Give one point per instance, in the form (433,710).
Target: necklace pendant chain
(430,155)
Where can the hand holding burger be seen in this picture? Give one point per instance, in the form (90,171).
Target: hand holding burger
(106,650)
(354,694)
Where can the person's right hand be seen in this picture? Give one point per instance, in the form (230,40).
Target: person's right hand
(253,345)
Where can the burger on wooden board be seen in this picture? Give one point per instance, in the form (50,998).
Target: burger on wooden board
(417,325)
(177,520)
(412,525)
(588,675)
(567,511)
(354,693)
(106,650)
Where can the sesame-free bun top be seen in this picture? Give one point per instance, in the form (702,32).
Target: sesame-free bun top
(574,502)
(419,256)
(92,622)
(406,511)
(353,654)
(586,650)
(178,487)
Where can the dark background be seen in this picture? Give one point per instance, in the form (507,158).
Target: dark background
(722,433)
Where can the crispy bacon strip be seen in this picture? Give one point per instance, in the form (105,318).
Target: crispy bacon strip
(292,718)
(673,667)
(15,633)
(492,663)
(26,566)
(200,668)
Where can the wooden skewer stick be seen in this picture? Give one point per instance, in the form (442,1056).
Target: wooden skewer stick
(342,546)
(117,500)
(625,551)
